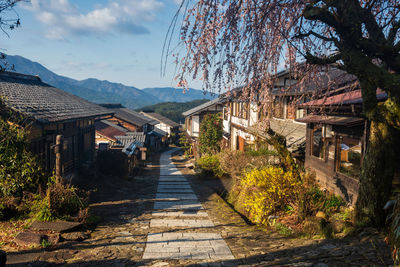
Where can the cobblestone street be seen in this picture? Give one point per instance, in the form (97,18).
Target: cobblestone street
(168,217)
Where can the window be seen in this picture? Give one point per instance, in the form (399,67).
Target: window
(279,108)
(317,146)
(350,156)
(299,113)
(241,110)
(244,110)
(330,142)
(227,112)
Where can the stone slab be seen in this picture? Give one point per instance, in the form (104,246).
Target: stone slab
(58,226)
(29,239)
(174,186)
(166,255)
(174,190)
(175,196)
(172,179)
(184,184)
(185,213)
(178,205)
(180,223)
(174,245)
(166,175)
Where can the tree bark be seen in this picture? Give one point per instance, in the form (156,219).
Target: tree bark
(378,167)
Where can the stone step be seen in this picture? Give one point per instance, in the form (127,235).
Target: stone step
(186,213)
(175,196)
(180,223)
(178,205)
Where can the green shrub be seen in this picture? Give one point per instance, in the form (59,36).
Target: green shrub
(261,152)
(19,169)
(333,203)
(64,200)
(209,166)
(312,199)
(210,134)
(283,229)
(235,163)
(184,143)
(61,202)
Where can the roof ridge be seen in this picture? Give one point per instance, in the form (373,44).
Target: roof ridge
(20,75)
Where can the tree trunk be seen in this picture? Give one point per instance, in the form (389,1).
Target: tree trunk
(377,172)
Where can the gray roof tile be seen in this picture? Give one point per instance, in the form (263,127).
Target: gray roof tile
(160,118)
(202,107)
(129,115)
(30,96)
(131,137)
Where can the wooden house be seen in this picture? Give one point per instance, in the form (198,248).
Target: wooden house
(286,95)
(49,112)
(194,117)
(336,141)
(239,116)
(135,122)
(164,124)
(244,120)
(129,119)
(106,133)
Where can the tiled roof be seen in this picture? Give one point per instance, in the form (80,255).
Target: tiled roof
(333,120)
(158,132)
(109,130)
(129,115)
(30,96)
(160,118)
(131,137)
(330,79)
(347,98)
(122,129)
(201,107)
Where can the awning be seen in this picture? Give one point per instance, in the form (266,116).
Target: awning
(333,120)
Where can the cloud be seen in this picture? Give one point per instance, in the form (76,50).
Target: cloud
(62,19)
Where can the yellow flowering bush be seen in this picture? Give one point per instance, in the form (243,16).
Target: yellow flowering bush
(261,192)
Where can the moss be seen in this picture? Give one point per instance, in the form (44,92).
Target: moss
(377,174)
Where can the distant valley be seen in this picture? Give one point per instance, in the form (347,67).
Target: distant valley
(104,91)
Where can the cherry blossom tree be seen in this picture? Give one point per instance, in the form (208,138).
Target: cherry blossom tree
(9,20)
(228,43)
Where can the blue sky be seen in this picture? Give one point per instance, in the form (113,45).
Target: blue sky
(119,41)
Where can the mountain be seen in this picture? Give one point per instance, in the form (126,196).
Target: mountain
(104,91)
(173,110)
(169,94)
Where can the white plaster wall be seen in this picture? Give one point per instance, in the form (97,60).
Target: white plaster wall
(164,127)
(226,124)
(195,125)
(238,132)
(240,121)
(253,114)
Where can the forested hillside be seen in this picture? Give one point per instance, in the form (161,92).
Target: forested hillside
(173,110)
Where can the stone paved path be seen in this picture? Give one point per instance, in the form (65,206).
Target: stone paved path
(137,224)
(177,212)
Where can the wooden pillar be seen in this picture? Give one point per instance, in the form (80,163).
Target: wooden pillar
(143,153)
(58,151)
